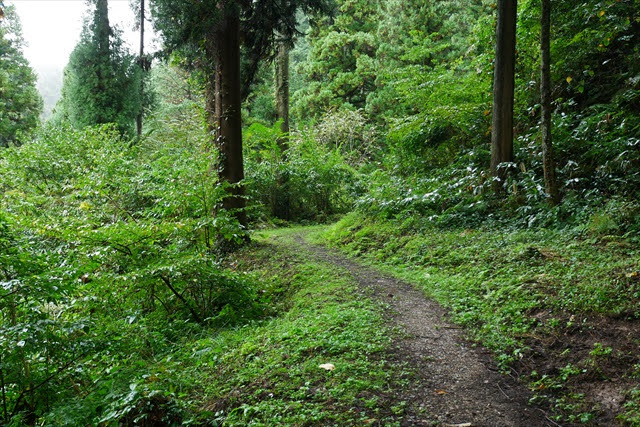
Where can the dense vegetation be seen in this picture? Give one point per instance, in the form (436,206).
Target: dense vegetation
(126,295)
(20,104)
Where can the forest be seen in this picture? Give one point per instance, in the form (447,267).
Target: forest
(325,212)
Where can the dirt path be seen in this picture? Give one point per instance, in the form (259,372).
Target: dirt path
(455,384)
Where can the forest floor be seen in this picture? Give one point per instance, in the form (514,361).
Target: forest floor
(558,309)
(451,328)
(455,382)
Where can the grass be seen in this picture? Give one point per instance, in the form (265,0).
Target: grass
(546,302)
(267,372)
(551,305)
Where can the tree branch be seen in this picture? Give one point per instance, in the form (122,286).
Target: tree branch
(195,315)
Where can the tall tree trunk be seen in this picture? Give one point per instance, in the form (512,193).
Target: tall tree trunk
(548,163)
(224,104)
(281,202)
(503,88)
(141,62)
(282,89)
(103,32)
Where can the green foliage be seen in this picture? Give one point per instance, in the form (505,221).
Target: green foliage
(20,103)
(260,105)
(349,132)
(430,93)
(600,40)
(268,372)
(101,81)
(109,256)
(41,328)
(315,177)
(516,292)
(631,415)
(188,29)
(117,304)
(340,67)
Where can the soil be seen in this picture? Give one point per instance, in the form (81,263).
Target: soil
(603,379)
(455,383)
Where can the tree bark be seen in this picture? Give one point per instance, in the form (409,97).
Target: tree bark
(548,162)
(282,89)
(103,32)
(141,63)
(503,89)
(224,103)
(281,203)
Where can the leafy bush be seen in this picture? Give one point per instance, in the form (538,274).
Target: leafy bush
(314,177)
(349,132)
(109,255)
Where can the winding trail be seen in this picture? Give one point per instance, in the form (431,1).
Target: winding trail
(455,384)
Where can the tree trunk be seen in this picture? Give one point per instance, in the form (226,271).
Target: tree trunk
(224,105)
(103,32)
(281,202)
(282,89)
(141,62)
(548,163)
(503,89)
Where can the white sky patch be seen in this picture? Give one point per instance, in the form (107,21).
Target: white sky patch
(51,29)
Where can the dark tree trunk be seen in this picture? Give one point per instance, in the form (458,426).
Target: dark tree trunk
(103,33)
(282,89)
(141,62)
(281,202)
(224,105)
(548,163)
(503,88)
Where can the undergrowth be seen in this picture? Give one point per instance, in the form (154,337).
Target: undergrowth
(268,372)
(531,296)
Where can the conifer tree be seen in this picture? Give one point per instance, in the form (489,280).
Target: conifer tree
(20,102)
(548,161)
(101,82)
(144,61)
(503,88)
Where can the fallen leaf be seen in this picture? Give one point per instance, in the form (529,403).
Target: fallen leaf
(441,392)
(327,366)
(601,14)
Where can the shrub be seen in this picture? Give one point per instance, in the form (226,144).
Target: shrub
(315,178)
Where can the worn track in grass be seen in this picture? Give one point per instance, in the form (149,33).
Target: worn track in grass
(454,383)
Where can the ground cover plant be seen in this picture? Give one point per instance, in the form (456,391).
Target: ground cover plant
(269,371)
(559,309)
(118,307)
(108,258)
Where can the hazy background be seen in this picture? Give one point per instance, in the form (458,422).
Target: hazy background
(52,28)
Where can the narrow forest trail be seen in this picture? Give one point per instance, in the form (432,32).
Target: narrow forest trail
(455,383)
